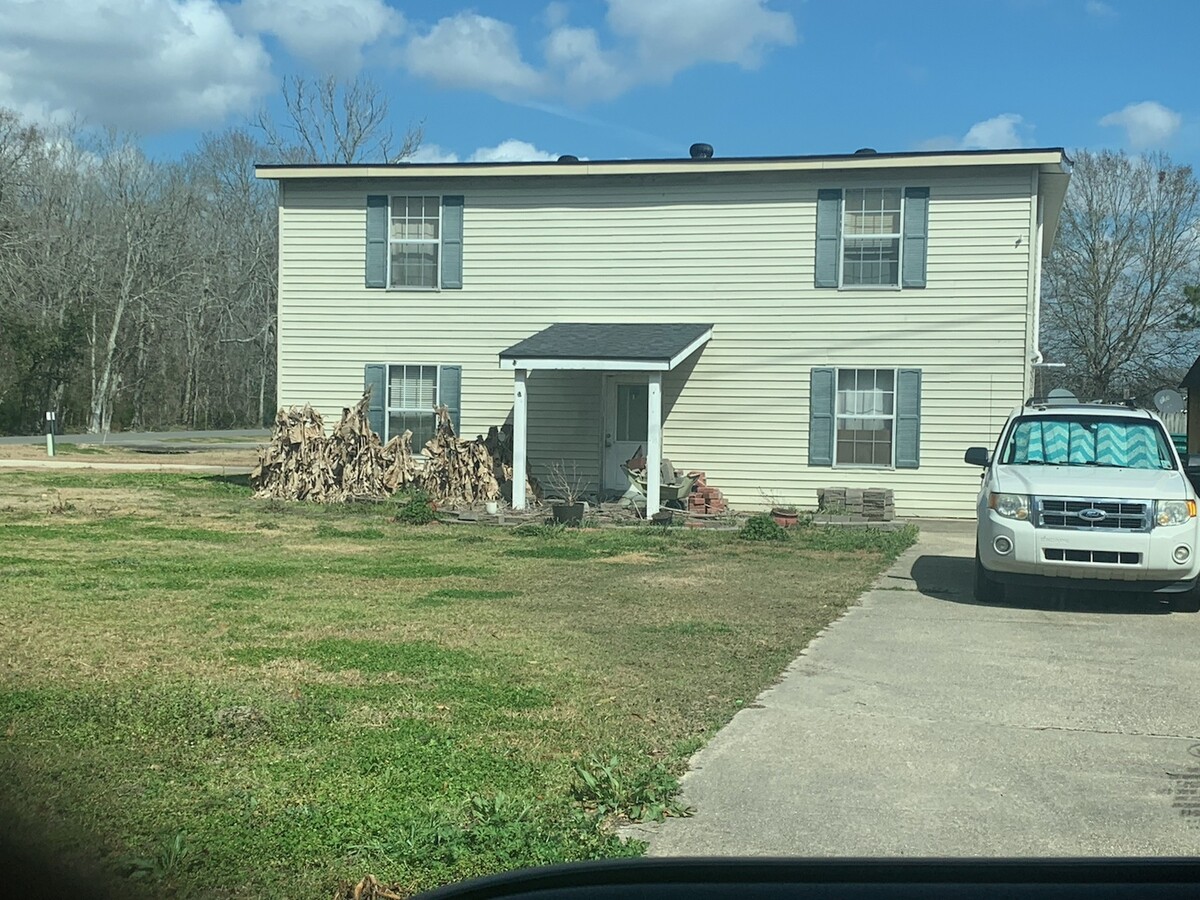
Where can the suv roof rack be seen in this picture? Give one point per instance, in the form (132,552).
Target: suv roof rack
(1126,402)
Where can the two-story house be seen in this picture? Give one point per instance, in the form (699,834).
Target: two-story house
(783,324)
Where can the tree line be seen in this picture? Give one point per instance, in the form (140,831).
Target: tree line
(141,293)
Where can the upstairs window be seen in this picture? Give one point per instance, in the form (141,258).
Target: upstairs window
(415,242)
(871,237)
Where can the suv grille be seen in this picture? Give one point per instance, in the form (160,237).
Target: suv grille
(1093,515)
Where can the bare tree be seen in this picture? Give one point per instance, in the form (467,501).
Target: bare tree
(331,120)
(1116,311)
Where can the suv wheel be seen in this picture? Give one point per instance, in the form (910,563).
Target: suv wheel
(986,590)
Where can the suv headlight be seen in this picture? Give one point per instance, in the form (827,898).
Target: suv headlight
(1011,506)
(1174,512)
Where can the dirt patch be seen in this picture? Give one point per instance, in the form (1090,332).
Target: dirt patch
(83,454)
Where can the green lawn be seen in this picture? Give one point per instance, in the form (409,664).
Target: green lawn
(217,697)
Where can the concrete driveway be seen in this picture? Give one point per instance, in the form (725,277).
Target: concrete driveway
(923,724)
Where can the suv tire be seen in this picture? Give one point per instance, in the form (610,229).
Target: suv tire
(986,590)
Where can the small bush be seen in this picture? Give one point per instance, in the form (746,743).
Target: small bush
(762,528)
(417,511)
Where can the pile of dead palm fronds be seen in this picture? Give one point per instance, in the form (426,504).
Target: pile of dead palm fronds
(351,463)
(369,888)
(457,470)
(303,463)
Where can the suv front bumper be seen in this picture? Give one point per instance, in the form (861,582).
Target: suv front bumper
(1088,558)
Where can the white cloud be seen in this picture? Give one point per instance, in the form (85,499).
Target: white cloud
(1147,124)
(1099,9)
(148,65)
(1003,132)
(653,40)
(328,34)
(672,35)
(511,150)
(473,52)
(997,133)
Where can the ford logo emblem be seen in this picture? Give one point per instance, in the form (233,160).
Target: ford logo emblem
(1093,515)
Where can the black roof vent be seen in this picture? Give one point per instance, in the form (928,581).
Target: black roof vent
(700,151)
(865,151)
(567,157)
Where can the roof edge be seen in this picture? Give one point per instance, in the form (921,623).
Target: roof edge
(1054,157)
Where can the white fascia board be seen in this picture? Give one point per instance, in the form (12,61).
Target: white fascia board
(593,365)
(663,166)
(690,349)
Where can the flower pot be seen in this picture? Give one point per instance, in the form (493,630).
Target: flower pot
(786,516)
(568,513)
(492,507)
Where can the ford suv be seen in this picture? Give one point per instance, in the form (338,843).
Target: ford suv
(1085,495)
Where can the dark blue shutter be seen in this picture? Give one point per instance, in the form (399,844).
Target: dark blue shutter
(450,383)
(452,242)
(829,233)
(377,240)
(908,419)
(820,417)
(916,236)
(375,381)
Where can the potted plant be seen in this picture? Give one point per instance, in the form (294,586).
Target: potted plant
(569,487)
(786,516)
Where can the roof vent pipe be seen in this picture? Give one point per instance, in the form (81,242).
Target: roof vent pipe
(568,158)
(865,151)
(700,151)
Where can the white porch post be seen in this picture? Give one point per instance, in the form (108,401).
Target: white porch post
(653,443)
(519,439)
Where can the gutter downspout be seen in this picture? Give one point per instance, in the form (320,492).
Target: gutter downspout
(1037,287)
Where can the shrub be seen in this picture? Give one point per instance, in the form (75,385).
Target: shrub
(417,511)
(762,528)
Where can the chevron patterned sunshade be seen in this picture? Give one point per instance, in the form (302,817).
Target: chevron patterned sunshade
(1081,441)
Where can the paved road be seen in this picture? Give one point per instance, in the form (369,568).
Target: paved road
(923,724)
(249,436)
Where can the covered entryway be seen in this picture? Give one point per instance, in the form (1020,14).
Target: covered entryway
(631,359)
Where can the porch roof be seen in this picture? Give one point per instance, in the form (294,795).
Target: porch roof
(640,346)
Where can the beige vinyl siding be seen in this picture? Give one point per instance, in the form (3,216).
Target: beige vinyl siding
(736,251)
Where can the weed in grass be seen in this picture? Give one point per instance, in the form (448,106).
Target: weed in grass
(890,543)
(167,861)
(609,789)
(266,525)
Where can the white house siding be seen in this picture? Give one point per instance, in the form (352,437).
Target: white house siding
(736,251)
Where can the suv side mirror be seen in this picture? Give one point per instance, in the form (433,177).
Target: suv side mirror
(978,456)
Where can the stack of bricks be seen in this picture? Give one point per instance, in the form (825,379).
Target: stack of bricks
(878,505)
(875,504)
(704,499)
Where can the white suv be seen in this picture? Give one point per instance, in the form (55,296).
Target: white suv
(1085,495)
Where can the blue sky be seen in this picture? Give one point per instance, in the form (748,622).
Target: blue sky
(631,78)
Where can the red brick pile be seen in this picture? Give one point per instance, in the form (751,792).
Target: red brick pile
(703,498)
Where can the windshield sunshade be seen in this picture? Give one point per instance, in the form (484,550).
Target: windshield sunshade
(1081,441)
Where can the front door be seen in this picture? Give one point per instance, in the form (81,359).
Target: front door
(625,426)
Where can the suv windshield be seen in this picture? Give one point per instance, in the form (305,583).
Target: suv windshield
(1079,440)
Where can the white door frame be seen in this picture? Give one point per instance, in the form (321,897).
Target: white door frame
(653,445)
